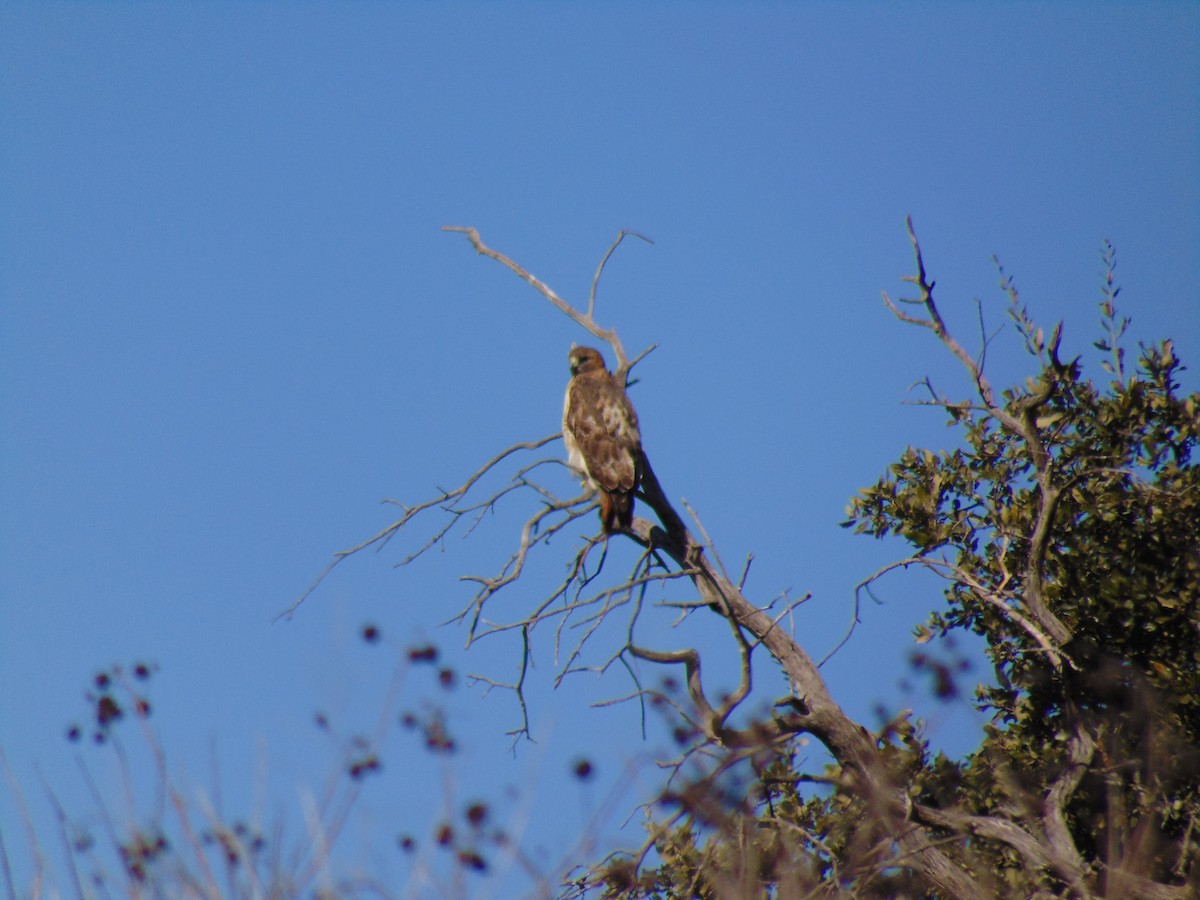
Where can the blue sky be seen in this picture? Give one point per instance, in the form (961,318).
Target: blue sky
(231,325)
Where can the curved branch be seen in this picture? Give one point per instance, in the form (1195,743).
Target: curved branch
(582,319)
(624,232)
(1080,748)
(690,660)
(1023,425)
(816,711)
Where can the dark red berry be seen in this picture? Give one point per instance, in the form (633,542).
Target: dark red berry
(477,814)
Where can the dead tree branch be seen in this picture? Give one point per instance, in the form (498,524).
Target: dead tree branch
(1023,425)
(447,501)
(671,547)
(583,319)
(625,232)
(816,711)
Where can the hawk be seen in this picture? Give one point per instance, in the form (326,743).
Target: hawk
(600,430)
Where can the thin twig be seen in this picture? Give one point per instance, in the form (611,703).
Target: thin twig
(591,310)
(411,512)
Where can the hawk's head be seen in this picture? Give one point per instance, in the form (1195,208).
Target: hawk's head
(584,360)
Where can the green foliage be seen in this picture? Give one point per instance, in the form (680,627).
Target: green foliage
(1121,567)
(1067,528)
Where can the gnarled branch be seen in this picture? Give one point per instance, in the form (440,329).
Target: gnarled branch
(1024,425)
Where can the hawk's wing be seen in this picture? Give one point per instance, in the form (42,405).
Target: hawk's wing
(603,426)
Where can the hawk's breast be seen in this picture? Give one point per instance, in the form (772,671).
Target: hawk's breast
(600,432)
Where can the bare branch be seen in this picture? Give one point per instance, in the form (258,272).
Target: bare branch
(991,827)
(517,687)
(603,262)
(813,710)
(745,572)
(817,712)
(531,535)
(35,846)
(690,660)
(411,512)
(956,574)
(1068,863)
(583,319)
(864,585)
(1023,425)
(637,359)
(787,611)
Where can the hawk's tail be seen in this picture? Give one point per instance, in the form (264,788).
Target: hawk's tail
(616,510)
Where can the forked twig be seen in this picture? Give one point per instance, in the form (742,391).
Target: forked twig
(446,500)
(591,309)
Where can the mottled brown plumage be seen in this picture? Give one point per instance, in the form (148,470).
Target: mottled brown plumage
(600,430)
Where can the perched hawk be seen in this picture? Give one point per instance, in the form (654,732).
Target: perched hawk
(600,430)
